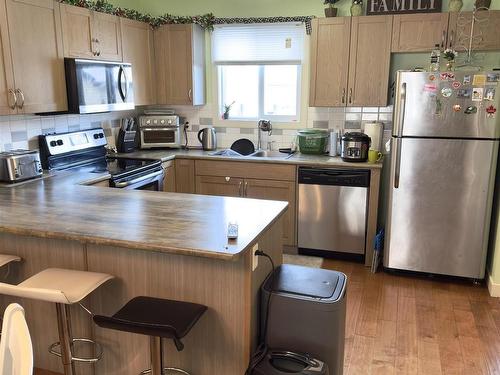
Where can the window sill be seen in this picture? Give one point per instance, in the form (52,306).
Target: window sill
(250,124)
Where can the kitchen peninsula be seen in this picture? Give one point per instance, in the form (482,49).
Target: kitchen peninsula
(171,246)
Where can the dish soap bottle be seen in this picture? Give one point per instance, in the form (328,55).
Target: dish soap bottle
(435,57)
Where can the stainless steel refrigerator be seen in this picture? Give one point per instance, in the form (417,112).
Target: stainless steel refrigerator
(442,170)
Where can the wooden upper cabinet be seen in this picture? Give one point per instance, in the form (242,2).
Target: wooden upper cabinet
(90,35)
(180,64)
(419,32)
(137,41)
(37,55)
(329,61)
(369,62)
(7,96)
(77,24)
(488,27)
(108,37)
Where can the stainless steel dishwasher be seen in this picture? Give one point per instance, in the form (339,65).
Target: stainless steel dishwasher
(332,211)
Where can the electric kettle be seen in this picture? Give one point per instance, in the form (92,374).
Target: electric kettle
(208,139)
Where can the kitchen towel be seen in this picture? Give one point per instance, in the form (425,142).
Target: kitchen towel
(375,131)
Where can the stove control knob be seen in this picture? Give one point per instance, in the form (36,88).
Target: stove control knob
(170,122)
(53,143)
(148,122)
(162,122)
(101,135)
(96,136)
(155,122)
(60,142)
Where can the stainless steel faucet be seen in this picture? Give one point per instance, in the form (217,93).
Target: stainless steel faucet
(263,126)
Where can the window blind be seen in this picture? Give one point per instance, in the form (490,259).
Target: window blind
(258,43)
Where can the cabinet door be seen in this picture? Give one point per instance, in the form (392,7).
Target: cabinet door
(174,64)
(370,59)
(486,29)
(7,96)
(37,54)
(77,30)
(184,176)
(217,185)
(108,37)
(419,32)
(137,42)
(329,61)
(276,190)
(169,179)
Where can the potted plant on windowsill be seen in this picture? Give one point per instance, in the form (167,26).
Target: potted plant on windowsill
(331,11)
(227,109)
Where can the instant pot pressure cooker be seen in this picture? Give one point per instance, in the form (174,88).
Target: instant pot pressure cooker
(355,147)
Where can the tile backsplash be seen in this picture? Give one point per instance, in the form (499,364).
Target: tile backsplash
(22,131)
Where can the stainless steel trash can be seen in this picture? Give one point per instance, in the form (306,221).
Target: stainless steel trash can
(307,313)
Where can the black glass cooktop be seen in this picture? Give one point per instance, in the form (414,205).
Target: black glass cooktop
(118,167)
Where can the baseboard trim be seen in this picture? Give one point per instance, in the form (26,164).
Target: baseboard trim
(493,288)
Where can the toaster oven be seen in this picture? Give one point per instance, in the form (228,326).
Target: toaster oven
(161,132)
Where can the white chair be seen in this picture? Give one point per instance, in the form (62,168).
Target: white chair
(16,350)
(62,287)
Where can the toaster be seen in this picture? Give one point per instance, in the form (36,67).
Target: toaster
(19,165)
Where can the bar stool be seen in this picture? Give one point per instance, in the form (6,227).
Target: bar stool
(156,318)
(62,287)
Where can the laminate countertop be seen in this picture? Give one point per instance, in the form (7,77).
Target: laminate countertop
(59,206)
(273,157)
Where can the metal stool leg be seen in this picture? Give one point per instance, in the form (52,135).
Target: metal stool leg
(65,339)
(156,349)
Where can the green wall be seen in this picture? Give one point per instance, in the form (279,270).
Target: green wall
(249,8)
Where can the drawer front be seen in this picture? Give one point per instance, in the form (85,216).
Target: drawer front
(263,171)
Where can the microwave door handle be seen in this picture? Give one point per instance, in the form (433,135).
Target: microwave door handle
(122,74)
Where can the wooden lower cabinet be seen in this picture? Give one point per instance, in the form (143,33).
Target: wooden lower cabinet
(217,185)
(251,180)
(169,179)
(184,176)
(280,191)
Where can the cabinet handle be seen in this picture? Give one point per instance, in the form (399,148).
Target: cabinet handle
(21,94)
(443,39)
(343,95)
(245,189)
(98,53)
(190,95)
(452,36)
(350,95)
(239,188)
(13,96)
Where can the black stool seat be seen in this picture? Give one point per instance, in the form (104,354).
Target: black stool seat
(155,317)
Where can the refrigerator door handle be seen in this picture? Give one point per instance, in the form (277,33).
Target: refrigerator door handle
(402,109)
(397,166)
(399,143)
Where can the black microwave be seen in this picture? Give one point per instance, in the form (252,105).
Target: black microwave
(98,86)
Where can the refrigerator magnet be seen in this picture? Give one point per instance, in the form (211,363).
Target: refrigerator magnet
(456,85)
(489,93)
(479,80)
(466,80)
(464,93)
(432,77)
(445,76)
(477,94)
(470,110)
(446,92)
(457,108)
(491,111)
(430,88)
(492,77)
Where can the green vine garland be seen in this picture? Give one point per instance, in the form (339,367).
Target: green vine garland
(206,21)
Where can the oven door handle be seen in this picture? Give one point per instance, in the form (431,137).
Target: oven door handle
(122,185)
(123,92)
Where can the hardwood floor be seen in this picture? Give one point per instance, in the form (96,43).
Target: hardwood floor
(407,325)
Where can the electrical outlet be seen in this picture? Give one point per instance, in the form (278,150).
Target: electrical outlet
(255,258)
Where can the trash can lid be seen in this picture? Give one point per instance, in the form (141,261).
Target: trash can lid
(307,282)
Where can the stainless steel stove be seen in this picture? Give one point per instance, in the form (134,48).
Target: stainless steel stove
(85,152)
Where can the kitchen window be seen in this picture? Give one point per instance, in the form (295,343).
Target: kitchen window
(259,70)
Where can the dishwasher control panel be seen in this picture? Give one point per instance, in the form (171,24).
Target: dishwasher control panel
(334,177)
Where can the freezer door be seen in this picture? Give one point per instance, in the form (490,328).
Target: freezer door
(424,109)
(439,213)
